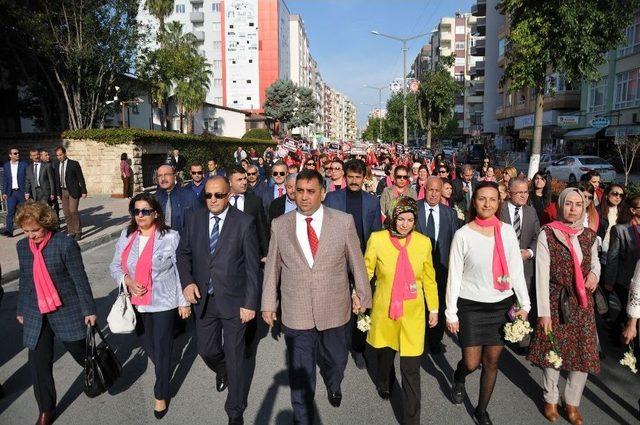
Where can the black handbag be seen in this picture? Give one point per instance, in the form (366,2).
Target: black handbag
(600,300)
(565,306)
(101,366)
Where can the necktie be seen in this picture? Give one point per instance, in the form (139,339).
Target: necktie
(213,242)
(517,226)
(235,200)
(168,211)
(280,192)
(431,228)
(35,174)
(313,238)
(62,175)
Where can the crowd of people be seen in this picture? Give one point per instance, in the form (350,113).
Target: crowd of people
(314,243)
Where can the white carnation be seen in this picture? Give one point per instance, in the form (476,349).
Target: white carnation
(629,360)
(364,322)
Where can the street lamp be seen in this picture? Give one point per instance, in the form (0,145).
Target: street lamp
(379,106)
(404,74)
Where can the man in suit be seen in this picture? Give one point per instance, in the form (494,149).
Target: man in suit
(14,187)
(274,188)
(524,220)
(176,201)
(70,187)
(219,274)
(178,162)
(40,181)
(463,188)
(365,210)
(53,201)
(196,185)
(254,182)
(310,256)
(284,203)
(439,222)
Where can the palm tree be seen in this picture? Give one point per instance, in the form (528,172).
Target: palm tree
(160,9)
(191,92)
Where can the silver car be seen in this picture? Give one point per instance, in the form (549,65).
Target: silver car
(572,168)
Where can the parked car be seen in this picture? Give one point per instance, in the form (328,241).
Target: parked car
(547,159)
(572,168)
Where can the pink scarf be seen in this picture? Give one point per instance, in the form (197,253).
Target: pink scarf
(143,267)
(404,280)
(577,269)
(500,267)
(389,182)
(421,193)
(48,298)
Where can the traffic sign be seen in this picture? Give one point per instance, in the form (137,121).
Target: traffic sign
(599,122)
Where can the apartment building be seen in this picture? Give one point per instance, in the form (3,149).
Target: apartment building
(488,45)
(422,63)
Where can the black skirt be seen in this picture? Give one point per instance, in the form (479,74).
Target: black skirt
(482,323)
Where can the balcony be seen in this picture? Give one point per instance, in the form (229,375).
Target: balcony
(196,17)
(475,100)
(479,8)
(480,27)
(196,1)
(199,35)
(477,70)
(477,88)
(478,48)
(568,99)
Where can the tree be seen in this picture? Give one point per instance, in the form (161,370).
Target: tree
(289,104)
(569,37)
(372,131)
(159,9)
(305,111)
(394,128)
(627,148)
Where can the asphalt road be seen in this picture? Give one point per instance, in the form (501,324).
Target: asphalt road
(610,398)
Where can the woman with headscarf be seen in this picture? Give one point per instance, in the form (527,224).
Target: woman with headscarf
(570,249)
(485,272)
(401,261)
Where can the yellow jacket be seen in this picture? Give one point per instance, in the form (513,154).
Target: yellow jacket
(405,335)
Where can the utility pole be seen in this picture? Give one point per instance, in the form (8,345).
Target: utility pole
(379,106)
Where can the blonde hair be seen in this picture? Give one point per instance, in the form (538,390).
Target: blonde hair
(38,212)
(512,171)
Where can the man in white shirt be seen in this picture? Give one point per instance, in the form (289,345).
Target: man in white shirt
(40,180)
(13,188)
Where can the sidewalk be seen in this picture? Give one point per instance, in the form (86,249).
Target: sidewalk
(102,218)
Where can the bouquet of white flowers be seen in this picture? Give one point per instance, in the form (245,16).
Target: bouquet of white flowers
(553,355)
(364,322)
(516,330)
(629,360)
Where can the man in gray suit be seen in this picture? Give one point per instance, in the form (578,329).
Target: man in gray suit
(525,222)
(310,255)
(40,182)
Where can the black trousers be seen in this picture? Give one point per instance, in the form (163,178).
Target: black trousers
(226,358)
(410,371)
(157,341)
(434,335)
(305,349)
(41,365)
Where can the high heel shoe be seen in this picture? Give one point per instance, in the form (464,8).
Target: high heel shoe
(159,414)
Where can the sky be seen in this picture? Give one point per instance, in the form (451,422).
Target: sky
(349,56)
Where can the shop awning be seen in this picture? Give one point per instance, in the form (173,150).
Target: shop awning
(587,133)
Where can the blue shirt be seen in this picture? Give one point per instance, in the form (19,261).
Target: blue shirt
(289,205)
(275,191)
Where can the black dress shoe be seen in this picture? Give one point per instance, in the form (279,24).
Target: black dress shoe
(384,394)
(221,382)
(45,418)
(482,417)
(159,414)
(335,399)
(7,234)
(1,392)
(236,421)
(457,392)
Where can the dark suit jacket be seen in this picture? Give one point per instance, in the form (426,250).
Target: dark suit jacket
(46,180)
(458,195)
(448,225)
(8,178)
(371,220)
(183,202)
(622,256)
(178,165)
(253,207)
(64,263)
(233,268)
(266,193)
(529,230)
(73,177)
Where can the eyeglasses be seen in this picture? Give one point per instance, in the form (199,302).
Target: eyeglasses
(217,195)
(402,177)
(618,194)
(251,174)
(311,164)
(280,173)
(442,171)
(197,173)
(144,211)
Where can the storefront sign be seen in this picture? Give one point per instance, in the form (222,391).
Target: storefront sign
(599,122)
(526,133)
(568,121)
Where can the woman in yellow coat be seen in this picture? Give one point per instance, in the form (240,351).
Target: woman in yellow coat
(401,261)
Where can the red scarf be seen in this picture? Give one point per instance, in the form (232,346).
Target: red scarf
(46,293)
(404,280)
(143,266)
(500,267)
(577,269)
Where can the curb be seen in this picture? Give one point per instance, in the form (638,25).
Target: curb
(12,275)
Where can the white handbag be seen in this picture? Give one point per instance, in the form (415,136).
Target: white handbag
(122,318)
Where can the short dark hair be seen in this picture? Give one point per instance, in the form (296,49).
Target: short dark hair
(123,156)
(592,173)
(60,148)
(355,166)
(155,205)
(195,164)
(338,161)
(308,174)
(34,150)
(237,170)
(423,167)
(12,148)
(401,168)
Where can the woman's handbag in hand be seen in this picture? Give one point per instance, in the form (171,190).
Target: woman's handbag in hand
(599,299)
(101,366)
(122,318)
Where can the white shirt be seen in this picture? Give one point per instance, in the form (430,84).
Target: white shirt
(14,175)
(512,218)
(240,203)
(142,242)
(301,231)
(36,174)
(471,270)
(63,184)
(222,216)
(469,186)
(436,217)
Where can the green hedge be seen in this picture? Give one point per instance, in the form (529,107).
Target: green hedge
(257,133)
(194,147)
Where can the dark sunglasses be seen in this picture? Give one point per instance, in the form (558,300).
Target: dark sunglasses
(280,173)
(15,153)
(251,174)
(620,194)
(442,171)
(145,212)
(312,164)
(199,173)
(402,177)
(218,195)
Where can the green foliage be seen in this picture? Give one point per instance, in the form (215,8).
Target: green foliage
(160,9)
(289,104)
(394,130)
(257,133)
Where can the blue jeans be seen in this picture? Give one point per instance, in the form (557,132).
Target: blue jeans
(14,199)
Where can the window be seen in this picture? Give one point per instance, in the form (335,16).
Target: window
(217,45)
(627,89)
(217,82)
(509,99)
(248,81)
(459,109)
(596,95)
(459,45)
(215,7)
(632,37)
(250,60)
(502,44)
(458,77)
(460,29)
(460,61)
(248,97)
(460,123)
(215,26)
(231,26)
(197,7)
(520,97)
(180,8)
